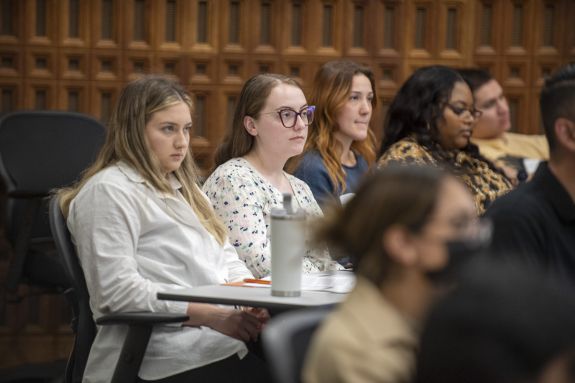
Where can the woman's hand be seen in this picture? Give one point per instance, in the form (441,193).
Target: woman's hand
(262,314)
(239,324)
(244,324)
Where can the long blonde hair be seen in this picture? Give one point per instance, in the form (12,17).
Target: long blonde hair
(331,88)
(126,142)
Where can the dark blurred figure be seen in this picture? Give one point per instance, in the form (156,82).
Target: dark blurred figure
(400,230)
(3,242)
(503,324)
(536,221)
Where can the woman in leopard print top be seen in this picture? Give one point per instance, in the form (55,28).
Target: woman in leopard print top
(430,122)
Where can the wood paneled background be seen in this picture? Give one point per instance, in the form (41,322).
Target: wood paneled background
(77,54)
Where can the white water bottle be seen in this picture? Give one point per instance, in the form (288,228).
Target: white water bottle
(288,248)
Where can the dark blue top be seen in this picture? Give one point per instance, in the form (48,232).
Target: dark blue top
(313,172)
(536,222)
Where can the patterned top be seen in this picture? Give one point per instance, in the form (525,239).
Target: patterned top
(243,199)
(485,184)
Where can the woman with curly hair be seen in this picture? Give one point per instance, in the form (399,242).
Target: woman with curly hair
(430,121)
(340,146)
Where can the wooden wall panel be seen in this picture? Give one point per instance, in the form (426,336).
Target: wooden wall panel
(78,54)
(569,31)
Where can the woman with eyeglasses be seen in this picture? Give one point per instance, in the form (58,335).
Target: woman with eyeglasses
(341,146)
(430,121)
(270,126)
(409,230)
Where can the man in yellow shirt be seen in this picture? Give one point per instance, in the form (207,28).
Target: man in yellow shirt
(517,154)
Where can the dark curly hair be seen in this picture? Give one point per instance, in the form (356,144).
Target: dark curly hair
(418,107)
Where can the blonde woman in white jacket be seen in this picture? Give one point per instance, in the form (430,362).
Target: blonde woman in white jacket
(141,224)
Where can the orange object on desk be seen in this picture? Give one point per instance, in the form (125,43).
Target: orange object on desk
(258,281)
(249,280)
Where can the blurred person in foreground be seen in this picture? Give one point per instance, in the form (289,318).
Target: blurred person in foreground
(401,230)
(504,323)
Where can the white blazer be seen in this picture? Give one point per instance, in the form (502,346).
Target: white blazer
(133,241)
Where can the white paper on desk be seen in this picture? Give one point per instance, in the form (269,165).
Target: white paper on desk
(340,282)
(260,285)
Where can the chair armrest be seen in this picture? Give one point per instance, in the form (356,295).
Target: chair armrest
(140,326)
(141,318)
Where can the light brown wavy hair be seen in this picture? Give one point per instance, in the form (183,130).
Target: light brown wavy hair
(331,89)
(126,142)
(397,195)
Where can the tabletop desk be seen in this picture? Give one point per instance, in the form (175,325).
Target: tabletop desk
(253,296)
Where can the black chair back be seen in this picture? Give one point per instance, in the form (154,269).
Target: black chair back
(286,340)
(40,151)
(140,324)
(83,323)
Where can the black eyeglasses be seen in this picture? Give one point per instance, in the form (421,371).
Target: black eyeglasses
(460,110)
(471,228)
(289,116)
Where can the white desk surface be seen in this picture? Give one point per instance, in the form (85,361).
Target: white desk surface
(252,296)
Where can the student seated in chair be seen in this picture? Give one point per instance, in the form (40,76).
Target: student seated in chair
(430,121)
(340,147)
(518,154)
(270,126)
(397,230)
(141,224)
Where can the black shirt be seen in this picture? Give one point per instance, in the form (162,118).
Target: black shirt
(537,223)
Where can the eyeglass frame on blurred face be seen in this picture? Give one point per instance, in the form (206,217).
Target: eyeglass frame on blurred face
(460,110)
(307,111)
(479,229)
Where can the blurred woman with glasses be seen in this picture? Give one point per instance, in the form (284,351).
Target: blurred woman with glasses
(270,126)
(409,230)
(341,146)
(430,121)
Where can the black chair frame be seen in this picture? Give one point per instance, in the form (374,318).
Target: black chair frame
(286,340)
(139,324)
(40,151)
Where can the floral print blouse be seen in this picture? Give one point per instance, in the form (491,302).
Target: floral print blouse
(485,184)
(243,199)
